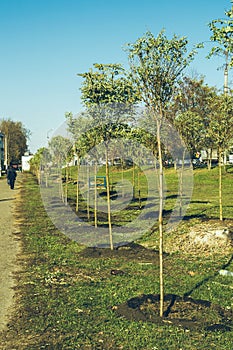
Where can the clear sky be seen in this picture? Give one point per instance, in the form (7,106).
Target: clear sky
(45,43)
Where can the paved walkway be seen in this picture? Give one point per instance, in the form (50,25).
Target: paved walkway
(9,247)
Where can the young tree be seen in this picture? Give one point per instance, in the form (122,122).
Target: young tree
(220,131)
(108,96)
(156,65)
(60,149)
(222,35)
(78,127)
(140,135)
(37,163)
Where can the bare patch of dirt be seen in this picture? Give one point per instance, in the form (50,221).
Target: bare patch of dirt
(131,251)
(210,236)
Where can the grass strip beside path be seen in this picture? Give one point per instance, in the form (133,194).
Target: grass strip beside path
(66,299)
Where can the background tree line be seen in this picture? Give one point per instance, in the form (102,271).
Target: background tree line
(15,140)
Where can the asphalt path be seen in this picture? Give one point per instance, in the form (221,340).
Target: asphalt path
(9,248)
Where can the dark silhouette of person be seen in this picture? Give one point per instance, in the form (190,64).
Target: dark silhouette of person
(11,176)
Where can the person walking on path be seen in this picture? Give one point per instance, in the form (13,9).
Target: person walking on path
(11,176)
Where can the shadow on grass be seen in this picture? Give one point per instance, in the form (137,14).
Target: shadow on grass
(205,280)
(199,202)
(181,311)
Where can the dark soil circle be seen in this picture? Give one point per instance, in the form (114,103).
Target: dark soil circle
(129,251)
(183,312)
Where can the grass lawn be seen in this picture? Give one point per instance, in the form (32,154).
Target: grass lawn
(68,295)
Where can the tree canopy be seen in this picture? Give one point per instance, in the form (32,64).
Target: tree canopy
(16,136)
(222,35)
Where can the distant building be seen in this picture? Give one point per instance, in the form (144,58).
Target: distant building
(210,154)
(25,162)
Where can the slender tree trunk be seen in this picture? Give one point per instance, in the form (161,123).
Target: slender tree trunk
(220,184)
(59,175)
(111,176)
(220,151)
(181,183)
(77,187)
(158,121)
(61,188)
(46,176)
(95,198)
(39,176)
(88,192)
(226,74)
(209,158)
(108,199)
(122,177)
(133,180)
(66,184)
(139,186)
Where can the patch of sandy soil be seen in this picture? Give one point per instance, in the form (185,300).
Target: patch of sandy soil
(208,237)
(9,249)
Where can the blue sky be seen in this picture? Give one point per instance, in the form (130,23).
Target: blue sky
(45,43)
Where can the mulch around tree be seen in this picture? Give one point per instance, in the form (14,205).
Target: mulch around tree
(179,311)
(183,312)
(129,251)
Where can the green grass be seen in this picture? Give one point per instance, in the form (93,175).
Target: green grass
(66,300)
(204,203)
